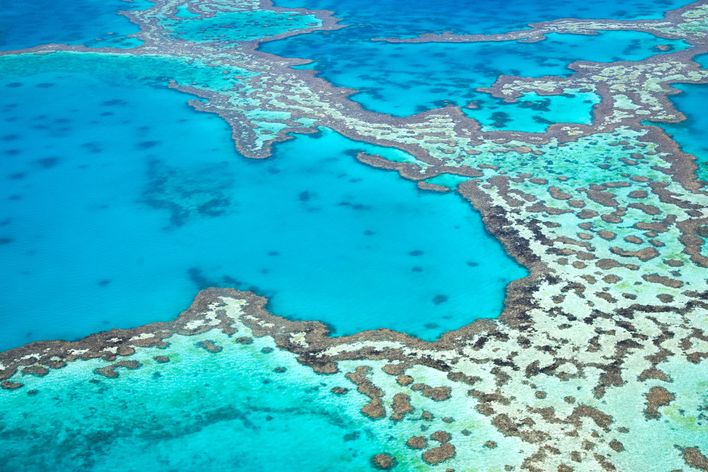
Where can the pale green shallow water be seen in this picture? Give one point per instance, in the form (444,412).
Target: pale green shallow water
(227,411)
(249,409)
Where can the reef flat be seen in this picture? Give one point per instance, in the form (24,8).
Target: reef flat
(598,361)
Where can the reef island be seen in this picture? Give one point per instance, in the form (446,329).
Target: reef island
(421,237)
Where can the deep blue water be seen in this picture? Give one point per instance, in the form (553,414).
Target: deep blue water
(96,23)
(410,18)
(403,79)
(119,204)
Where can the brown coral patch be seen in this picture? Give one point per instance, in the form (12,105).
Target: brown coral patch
(657,397)
(109,371)
(417,442)
(693,457)
(401,406)
(439,454)
(210,346)
(663,280)
(644,254)
(437,394)
(441,436)
(383,461)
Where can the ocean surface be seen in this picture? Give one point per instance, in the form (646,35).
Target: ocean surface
(388,18)
(118,215)
(119,202)
(89,22)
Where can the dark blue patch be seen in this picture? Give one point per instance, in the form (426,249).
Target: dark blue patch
(47,162)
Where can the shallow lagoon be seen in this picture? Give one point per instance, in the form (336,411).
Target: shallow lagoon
(229,411)
(533,113)
(119,204)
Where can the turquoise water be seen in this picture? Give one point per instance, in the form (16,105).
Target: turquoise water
(403,79)
(533,113)
(95,23)
(119,205)
(691,134)
(183,12)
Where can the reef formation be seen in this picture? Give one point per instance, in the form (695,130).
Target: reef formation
(598,361)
